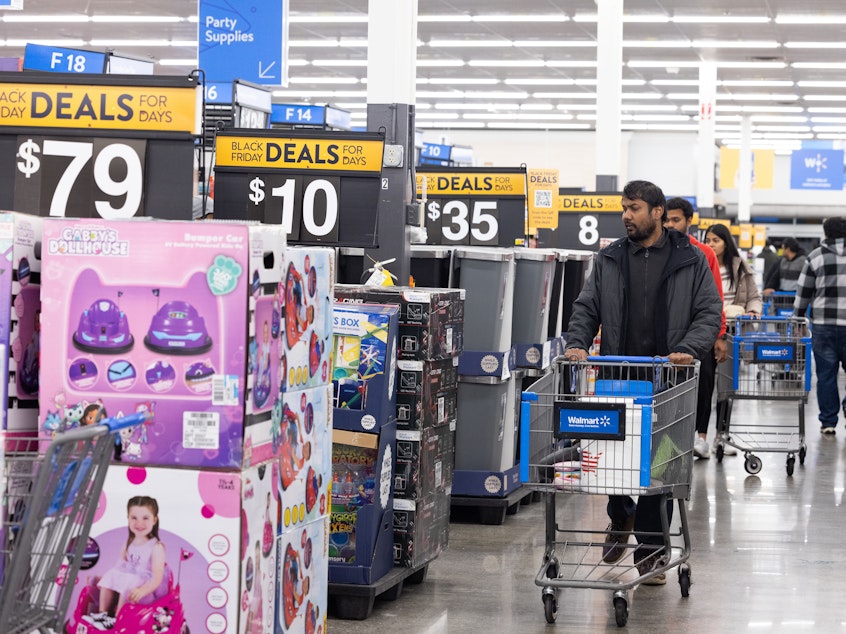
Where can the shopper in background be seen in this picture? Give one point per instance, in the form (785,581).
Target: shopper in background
(680,217)
(770,257)
(653,294)
(740,297)
(785,276)
(822,284)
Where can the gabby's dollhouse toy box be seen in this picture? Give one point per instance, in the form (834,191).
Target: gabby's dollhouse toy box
(209,534)
(181,319)
(302,579)
(20,321)
(305,457)
(309,283)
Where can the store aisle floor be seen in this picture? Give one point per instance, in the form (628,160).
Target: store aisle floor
(768,555)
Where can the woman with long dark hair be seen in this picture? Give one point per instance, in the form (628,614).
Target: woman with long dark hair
(741,297)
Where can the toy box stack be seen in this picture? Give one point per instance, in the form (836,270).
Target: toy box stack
(431,331)
(189,322)
(20,324)
(363,451)
(305,440)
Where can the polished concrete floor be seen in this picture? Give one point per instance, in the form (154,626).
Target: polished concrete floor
(768,555)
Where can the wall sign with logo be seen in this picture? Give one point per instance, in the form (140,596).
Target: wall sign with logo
(323,187)
(97,146)
(474,206)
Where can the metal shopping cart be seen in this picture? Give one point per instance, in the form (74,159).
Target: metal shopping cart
(767,360)
(49,502)
(635,419)
(779,304)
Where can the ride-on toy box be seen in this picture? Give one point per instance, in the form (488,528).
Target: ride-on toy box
(181,319)
(216,536)
(302,588)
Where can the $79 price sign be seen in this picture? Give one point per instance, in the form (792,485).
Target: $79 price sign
(71,176)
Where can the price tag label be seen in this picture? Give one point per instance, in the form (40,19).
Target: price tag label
(94,146)
(472,206)
(322,188)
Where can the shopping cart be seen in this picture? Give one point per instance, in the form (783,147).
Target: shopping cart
(779,304)
(49,503)
(635,419)
(767,360)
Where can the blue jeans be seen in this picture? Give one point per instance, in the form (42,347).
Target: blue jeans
(829,346)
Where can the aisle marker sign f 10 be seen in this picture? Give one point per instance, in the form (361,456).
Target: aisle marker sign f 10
(242,40)
(323,188)
(473,206)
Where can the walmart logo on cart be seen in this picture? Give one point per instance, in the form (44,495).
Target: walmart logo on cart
(600,421)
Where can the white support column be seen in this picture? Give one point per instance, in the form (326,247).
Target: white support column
(391,51)
(609,93)
(744,178)
(705,162)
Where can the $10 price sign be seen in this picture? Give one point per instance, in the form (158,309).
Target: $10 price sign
(97,145)
(473,206)
(323,188)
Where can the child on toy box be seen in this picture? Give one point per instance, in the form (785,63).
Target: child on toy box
(293,591)
(93,414)
(138,576)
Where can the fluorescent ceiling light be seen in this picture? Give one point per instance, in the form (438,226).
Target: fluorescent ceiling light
(586,117)
(541,81)
(661,127)
(783,128)
(641,95)
(298,62)
(470,43)
(513,116)
(755,83)
(477,106)
(456,17)
(314,43)
(59,42)
(649,108)
(817,18)
(541,125)
(432,63)
(826,110)
(437,115)
(555,43)
(648,63)
(682,96)
(656,44)
(323,80)
(58,19)
(452,124)
(532,17)
(510,63)
(825,97)
(536,106)
(576,106)
(339,62)
(814,45)
(440,94)
(642,18)
(820,65)
(142,43)
(139,19)
(720,19)
(564,95)
(338,18)
(658,117)
(758,97)
(734,44)
(821,84)
(563,63)
(674,82)
(778,119)
(828,119)
(748,109)
(467,81)
(354,105)
(189,61)
(496,94)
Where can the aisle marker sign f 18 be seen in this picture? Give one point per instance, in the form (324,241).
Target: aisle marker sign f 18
(473,206)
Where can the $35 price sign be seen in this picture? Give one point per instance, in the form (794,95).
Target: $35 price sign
(79,176)
(473,206)
(323,188)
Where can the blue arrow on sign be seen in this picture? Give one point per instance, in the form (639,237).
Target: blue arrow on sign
(241,40)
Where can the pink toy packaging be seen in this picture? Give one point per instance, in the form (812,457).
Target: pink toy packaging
(309,282)
(20,321)
(302,579)
(305,457)
(179,319)
(173,551)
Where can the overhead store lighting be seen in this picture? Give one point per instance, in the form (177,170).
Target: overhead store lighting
(56,19)
(828,119)
(46,42)
(506,63)
(542,125)
(649,108)
(755,83)
(477,106)
(182,61)
(825,97)
(564,95)
(818,18)
(323,80)
(339,62)
(519,117)
(720,19)
(107,42)
(820,65)
(826,110)
(555,43)
(338,18)
(814,45)
(467,81)
(656,44)
(445,63)
(734,44)
(821,84)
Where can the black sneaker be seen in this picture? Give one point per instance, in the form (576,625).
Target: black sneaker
(828,430)
(616,539)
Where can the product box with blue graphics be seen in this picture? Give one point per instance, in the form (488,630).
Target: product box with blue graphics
(20,321)
(209,537)
(305,456)
(309,282)
(361,522)
(302,588)
(364,365)
(173,318)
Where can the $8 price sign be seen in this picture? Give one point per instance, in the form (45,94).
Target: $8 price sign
(73,176)
(306,207)
(462,221)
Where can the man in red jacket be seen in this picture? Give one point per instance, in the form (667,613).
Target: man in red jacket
(680,217)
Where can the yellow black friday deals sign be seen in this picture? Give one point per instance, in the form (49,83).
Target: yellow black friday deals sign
(471,183)
(99,107)
(582,203)
(299,153)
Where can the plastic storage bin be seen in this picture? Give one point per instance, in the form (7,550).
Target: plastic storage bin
(576,270)
(487,275)
(535,269)
(485,431)
(432,266)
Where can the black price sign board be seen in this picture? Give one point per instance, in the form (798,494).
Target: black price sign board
(585,220)
(103,146)
(322,187)
(473,206)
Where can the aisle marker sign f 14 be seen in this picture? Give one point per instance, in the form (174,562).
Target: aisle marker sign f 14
(93,145)
(242,40)
(322,187)
(483,206)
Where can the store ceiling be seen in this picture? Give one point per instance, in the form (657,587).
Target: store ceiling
(501,64)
